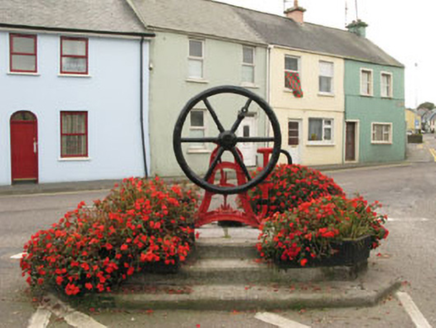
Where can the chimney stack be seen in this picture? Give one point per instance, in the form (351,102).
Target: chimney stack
(358,27)
(296,13)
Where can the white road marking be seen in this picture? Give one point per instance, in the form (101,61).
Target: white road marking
(412,310)
(18,256)
(42,194)
(408,220)
(71,316)
(278,321)
(40,319)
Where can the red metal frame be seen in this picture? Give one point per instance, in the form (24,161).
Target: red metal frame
(74,56)
(225,212)
(75,134)
(13,53)
(35,123)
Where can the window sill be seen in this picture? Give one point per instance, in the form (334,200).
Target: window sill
(249,85)
(381,143)
(23,73)
(199,151)
(74,159)
(367,96)
(326,94)
(387,97)
(74,75)
(288,90)
(320,144)
(196,80)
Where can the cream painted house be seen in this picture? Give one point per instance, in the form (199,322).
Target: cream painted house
(312,125)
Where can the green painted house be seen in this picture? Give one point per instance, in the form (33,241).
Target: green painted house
(375,127)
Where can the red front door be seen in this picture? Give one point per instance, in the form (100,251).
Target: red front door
(24,147)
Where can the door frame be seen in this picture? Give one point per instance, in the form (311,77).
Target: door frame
(254,131)
(300,139)
(35,123)
(356,140)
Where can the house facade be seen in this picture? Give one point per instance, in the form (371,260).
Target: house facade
(211,48)
(375,120)
(71,109)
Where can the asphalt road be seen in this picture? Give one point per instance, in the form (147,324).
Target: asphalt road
(408,193)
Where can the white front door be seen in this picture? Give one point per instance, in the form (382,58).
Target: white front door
(294,140)
(247,128)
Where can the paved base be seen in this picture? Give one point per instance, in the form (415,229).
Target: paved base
(226,276)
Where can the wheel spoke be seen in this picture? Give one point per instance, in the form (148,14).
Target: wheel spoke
(213,114)
(247,104)
(214,163)
(255,139)
(204,139)
(241,163)
(237,122)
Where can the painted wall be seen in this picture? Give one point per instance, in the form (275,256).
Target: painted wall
(311,105)
(368,109)
(110,95)
(170,89)
(411,117)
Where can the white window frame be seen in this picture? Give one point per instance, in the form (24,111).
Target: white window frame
(252,65)
(195,58)
(193,148)
(371,82)
(332,77)
(381,142)
(323,141)
(383,87)
(293,71)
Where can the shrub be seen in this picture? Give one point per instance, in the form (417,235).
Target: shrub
(308,231)
(290,186)
(93,249)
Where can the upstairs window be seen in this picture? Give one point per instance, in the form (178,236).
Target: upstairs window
(74,55)
(74,134)
(195,59)
(366,82)
(292,75)
(386,85)
(23,53)
(326,72)
(248,65)
(321,129)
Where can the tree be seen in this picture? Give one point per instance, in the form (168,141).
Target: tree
(427,105)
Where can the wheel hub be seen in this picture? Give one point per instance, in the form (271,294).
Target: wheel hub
(227,140)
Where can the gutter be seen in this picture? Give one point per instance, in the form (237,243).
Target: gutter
(72,30)
(141,105)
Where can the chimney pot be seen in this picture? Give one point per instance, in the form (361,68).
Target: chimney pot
(296,13)
(357,27)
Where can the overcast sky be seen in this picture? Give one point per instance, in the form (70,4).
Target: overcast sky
(404,29)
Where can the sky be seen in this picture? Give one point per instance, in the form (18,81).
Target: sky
(405,29)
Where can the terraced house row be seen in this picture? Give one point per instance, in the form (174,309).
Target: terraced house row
(95,95)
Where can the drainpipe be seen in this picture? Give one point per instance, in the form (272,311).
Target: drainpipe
(141,103)
(268,86)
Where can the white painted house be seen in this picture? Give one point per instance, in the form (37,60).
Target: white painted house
(74,91)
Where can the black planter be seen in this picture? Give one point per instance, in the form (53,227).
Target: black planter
(161,268)
(346,253)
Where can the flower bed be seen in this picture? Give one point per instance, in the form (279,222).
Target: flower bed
(92,249)
(290,186)
(312,231)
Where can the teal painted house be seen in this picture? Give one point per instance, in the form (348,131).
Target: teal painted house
(375,123)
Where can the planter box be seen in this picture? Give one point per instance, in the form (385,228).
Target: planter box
(414,138)
(162,268)
(348,253)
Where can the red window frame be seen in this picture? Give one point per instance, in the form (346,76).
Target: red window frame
(75,134)
(74,56)
(13,53)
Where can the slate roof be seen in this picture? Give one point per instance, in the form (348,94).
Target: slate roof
(282,31)
(223,20)
(110,16)
(196,16)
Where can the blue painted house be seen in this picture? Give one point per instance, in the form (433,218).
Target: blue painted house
(74,91)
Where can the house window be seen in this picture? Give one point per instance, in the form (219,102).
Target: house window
(195,59)
(23,54)
(326,72)
(321,129)
(366,82)
(197,128)
(74,134)
(382,133)
(292,75)
(248,65)
(74,55)
(386,85)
